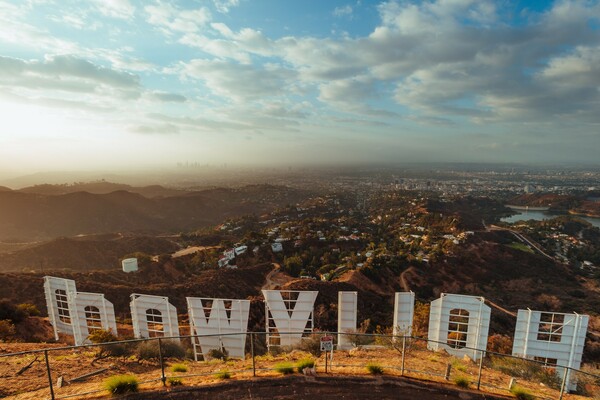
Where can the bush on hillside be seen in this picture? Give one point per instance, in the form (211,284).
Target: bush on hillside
(102,337)
(121,384)
(30,310)
(9,311)
(149,350)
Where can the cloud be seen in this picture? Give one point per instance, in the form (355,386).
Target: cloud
(342,11)
(168,97)
(440,61)
(121,9)
(237,46)
(224,6)
(239,82)
(160,129)
(66,74)
(195,124)
(352,95)
(170,19)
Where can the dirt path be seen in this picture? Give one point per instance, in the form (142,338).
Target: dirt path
(403,281)
(275,279)
(191,250)
(500,308)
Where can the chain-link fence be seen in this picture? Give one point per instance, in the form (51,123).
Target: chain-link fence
(80,371)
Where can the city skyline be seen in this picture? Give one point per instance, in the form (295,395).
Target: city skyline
(129,84)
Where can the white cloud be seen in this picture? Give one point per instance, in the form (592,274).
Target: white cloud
(121,9)
(67,80)
(153,129)
(167,97)
(343,11)
(216,47)
(239,82)
(224,6)
(171,19)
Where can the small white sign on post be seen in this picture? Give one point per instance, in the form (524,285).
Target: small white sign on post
(326,343)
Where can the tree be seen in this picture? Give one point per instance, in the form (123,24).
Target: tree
(292,265)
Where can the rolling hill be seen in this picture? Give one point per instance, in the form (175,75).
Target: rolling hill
(26,217)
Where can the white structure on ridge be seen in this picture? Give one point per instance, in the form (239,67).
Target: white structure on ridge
(553,338)
(404,308)
(347,307)
(129,264)
(218,317)
(77,313)
(459,324)
(153,316)
(288,315)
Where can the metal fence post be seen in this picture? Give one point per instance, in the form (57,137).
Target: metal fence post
(252,352)
(403,350)
(49,374)
(480,369)
(564,383)
(162,364)
(325,361)
(448,369)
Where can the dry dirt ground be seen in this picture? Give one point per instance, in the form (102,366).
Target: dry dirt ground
(346,379)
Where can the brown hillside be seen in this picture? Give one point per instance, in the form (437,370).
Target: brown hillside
(513,278)
(156,280)
(86,253)
(29,216)
(375,307)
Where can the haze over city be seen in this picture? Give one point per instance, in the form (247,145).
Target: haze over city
(124,84)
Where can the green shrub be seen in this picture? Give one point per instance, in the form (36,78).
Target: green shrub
(179,368)
(285,368)
(102,336)
(120,384)
(458,365)
(174,381)
(305,363)
(29,309)
(521,393)
(220,354)
(462,381)
(149,349)
(223,374)
(374,369)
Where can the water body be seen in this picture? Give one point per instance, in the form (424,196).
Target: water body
(543,215)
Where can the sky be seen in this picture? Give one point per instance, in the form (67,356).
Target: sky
(129,84)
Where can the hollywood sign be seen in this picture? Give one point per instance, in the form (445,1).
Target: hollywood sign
(458,324)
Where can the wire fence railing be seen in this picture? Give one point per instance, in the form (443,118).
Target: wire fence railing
(79,371)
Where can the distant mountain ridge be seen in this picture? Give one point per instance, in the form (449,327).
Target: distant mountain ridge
(100,187)
(33,216)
